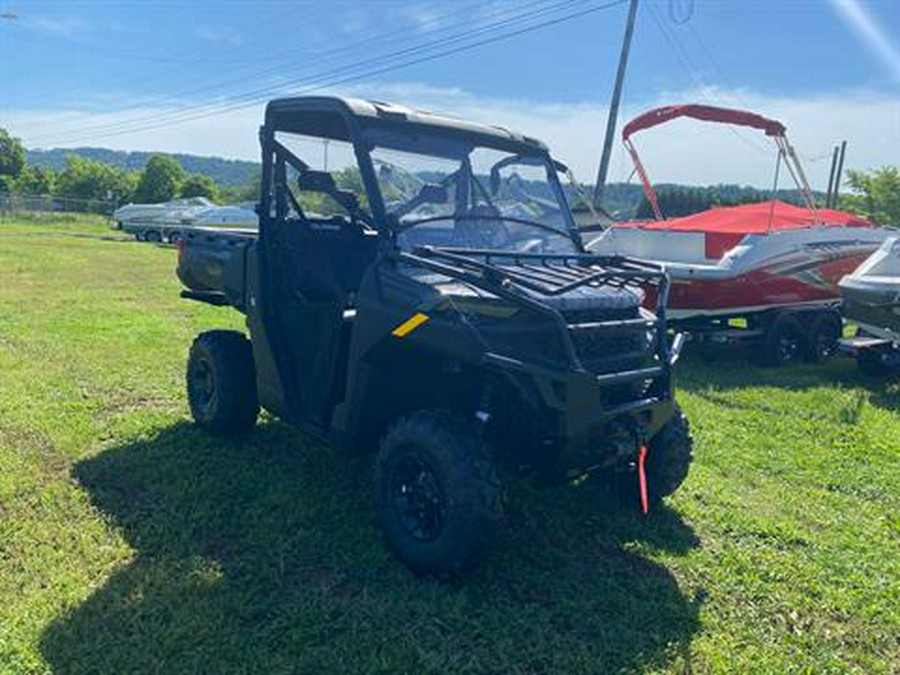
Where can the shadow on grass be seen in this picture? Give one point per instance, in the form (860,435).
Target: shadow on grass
(263,555)
(712,371)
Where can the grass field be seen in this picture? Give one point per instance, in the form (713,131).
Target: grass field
(131,542)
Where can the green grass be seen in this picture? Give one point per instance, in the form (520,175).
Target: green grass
(131,542)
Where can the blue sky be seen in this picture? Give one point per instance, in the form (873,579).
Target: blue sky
(120,74)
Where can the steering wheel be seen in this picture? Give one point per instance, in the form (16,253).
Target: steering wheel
(481,228)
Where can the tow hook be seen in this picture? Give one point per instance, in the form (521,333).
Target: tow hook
(642,478)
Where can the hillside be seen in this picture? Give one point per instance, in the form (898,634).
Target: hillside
(222,171)
(623,200)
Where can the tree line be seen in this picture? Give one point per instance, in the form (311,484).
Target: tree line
(94,186)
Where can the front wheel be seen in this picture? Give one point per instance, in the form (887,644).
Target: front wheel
(438,493)
(221,382)
(667,463)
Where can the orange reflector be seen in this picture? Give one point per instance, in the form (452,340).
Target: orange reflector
(642,478)
(410,325)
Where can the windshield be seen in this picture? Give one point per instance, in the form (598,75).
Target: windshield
(449,193)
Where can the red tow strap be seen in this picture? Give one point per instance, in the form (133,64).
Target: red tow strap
(642,478)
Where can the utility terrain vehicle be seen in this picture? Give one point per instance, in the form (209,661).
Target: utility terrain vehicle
(418,288)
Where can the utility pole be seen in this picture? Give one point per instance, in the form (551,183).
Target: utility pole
(614,105)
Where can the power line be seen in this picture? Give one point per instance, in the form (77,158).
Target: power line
(338,78)
(681,18)
(191,110)
(693,73)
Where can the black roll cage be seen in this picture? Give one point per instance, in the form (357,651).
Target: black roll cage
(275,155)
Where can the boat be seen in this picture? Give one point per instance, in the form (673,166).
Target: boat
(752,262)
(871,293)
(871,300)
(167,221)
(241,216)
(164,212)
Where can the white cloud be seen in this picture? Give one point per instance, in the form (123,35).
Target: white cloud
(224,34)
(424,17)
(684,151)
(62,26)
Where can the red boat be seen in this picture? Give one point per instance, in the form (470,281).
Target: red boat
(772,265)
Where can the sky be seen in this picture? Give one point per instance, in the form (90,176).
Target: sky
(193,76)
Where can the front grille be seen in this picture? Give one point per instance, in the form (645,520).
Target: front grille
(603,350)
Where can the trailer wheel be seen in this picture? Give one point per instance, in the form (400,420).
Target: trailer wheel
(174,237)
(438,493)
(667,464)
(821,342)
(221,382)
(869,361)
(783,341)
(152,235)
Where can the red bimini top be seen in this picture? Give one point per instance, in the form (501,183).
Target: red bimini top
(726,226)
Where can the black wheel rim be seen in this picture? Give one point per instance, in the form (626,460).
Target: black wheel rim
(825,344)
(417,499)
(788,346)
(202,385)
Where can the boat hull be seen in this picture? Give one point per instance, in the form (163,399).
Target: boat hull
(786,281)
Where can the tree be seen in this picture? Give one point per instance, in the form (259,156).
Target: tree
(12,155)
(243,192)
(35,181)
(160,180)
(12,160)
(877,194)
(93,185)
(198,185)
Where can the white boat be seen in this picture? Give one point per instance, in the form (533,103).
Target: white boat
(166,221)
(871,294)
(166,212)
(239,216)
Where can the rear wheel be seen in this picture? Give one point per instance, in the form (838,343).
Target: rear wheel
(438,492)
(152,235)
(221,382)
(821,341)
(783,341)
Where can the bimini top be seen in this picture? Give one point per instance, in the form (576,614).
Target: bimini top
(321,117)
(705,113)
(758,218)
(725,226)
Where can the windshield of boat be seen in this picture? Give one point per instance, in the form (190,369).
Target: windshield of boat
(448,192)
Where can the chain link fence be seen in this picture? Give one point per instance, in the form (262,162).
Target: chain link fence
(13,204)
